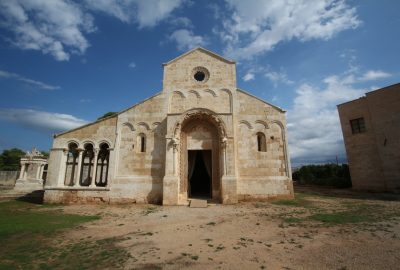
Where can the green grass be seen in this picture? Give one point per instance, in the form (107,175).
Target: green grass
(299,201)
(30,239)
(340,218)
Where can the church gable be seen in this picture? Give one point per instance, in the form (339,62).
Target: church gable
(199,69)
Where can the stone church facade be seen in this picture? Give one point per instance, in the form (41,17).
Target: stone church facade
(200,137)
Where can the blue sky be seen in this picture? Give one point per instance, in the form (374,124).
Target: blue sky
(65,63)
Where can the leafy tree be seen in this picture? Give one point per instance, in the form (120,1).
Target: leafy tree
(45,154)
(10,159)
(107,115)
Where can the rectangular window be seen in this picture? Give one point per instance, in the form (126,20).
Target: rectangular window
(357,125)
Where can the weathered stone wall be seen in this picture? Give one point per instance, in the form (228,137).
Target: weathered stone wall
(96,133)
(261,173)
(139,174)
(8,178)
(374,155)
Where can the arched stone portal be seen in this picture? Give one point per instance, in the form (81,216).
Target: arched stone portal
(201,135)
(199,160)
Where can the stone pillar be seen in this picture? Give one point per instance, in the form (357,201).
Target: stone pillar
(229,179)
(171,178)
(22,172)
(78,174)
(93,183)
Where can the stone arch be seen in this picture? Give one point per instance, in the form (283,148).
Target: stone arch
(211,92)
(143,124)
(245,123)
(100,142)
(200,114)
(195,93)
(191,127)
(177,101)
(76,141)
(261,122)
(129,125)
(230,98)
(179,93)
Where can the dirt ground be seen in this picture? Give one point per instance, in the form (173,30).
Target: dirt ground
(321,229)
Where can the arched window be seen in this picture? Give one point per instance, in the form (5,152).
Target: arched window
(261,142)
(72,164)
(102,165)
(142,142)
(87,165)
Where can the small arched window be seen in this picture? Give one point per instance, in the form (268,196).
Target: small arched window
(102,165)
(87,165)
(72,164)
(142,142)
(261,142)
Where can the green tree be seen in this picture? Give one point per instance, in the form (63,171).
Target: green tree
(107,115)
(10,159)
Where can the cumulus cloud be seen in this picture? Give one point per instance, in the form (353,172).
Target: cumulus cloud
(186,40)
(313,122)
(258,26)
(59,27)
(146,13)
(40,120)
(38,84)
(132,65)
(53,27)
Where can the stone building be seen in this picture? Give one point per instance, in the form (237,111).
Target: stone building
(200,137)
(371,132)
(33,172)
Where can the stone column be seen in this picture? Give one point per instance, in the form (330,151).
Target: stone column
(171,178)
(38,169)
(229,180)
(93,183)
(78,174)
(22,172)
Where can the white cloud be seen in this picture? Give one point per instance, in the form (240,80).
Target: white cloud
(54,27)
(58,27)
(313,123)
(38,84)
(146,13)
(278,77)
(372,75)
(257,26)
(132,65)
(248,77)
(40,120)
(186,40)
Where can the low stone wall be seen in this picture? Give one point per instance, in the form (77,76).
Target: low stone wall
(8,178)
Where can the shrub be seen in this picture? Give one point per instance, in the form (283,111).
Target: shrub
(324,175)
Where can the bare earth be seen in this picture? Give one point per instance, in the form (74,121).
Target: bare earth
(251,235)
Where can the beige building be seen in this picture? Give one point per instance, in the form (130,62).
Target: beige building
(200,137)
(371,132)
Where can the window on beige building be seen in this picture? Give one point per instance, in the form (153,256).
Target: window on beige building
(142,142)
(357,125)
(87,165)
(102,165)
(72,164)
(261,142)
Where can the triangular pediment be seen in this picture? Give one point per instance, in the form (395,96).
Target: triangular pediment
(200,49)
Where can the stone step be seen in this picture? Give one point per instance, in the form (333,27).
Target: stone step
(197,203)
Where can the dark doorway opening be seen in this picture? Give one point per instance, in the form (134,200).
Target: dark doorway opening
(199,173)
